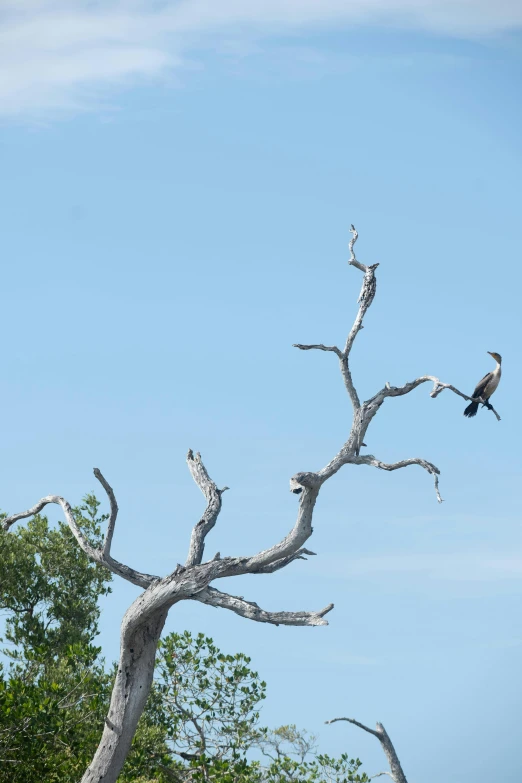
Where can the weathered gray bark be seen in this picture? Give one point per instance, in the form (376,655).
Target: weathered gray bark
(144,620)
(396,772)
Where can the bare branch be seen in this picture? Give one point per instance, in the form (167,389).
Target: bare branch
(320,347)
(301,531)
(89,550)
(355,723)
(353,261)
(209,518)
(438,387)
(252,611)
(114,511)
(366,298)
(136,577)
(348,380)
(369,459)
(396,772)
(278,564)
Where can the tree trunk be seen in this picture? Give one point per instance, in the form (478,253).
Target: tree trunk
(130,692)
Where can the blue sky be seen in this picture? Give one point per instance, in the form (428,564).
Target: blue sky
(178,184)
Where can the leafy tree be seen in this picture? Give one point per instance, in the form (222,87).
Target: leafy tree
(293,757)
(208,703)
(50,717)
(49,589)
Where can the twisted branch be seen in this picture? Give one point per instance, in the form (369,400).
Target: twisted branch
(353,261)
(209,518)
(114,512)
(369,459)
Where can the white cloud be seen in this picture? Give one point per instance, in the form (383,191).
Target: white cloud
(52,51)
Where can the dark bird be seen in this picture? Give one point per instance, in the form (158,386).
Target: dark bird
(486,386)
(188,756)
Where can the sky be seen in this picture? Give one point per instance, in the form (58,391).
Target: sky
(178,183)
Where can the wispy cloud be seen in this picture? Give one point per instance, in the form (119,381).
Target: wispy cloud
(455,566)
(56,54)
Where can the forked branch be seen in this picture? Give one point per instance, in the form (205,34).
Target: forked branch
(99,555)
(363,413)
(144,620)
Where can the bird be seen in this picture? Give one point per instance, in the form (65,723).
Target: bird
(486,386)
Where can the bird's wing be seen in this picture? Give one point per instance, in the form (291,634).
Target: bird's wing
(481,385)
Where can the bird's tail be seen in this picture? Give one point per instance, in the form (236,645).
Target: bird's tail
(472,409)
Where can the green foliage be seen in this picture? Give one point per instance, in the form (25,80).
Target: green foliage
(51,717)
(321,769)
(208,701)
(49,589)
(51,720)
(293,757)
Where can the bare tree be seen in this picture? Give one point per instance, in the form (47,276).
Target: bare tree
(143,622)
(396,773)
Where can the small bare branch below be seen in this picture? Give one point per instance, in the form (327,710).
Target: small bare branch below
(369,459)
(252,611)
(396,772)
(320,347)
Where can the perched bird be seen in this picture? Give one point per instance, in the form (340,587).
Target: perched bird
(486,386)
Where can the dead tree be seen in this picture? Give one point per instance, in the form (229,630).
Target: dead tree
(396,773)
(143,622)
